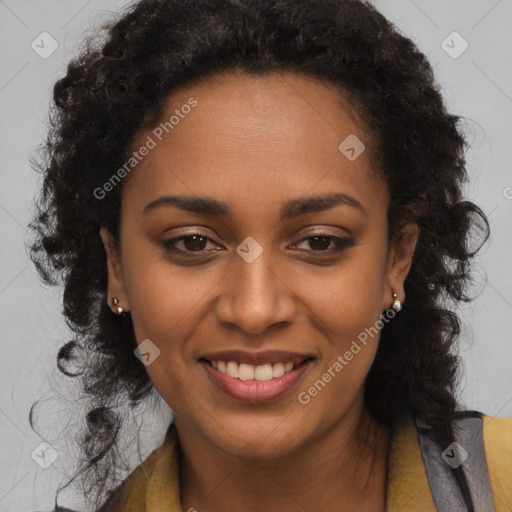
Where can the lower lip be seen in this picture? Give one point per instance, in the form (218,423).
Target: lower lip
(255,390)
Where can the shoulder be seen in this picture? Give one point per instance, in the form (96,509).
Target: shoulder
(496,437)
(132,490)
(497,434)
(131,493)
(483,444)
(498,428)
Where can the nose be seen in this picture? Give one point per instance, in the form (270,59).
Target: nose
(255,296)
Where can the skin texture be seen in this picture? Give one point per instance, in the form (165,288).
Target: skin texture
(256,142)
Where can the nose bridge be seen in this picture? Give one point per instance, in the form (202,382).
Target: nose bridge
(254,297)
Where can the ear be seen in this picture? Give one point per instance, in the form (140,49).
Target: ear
(400,256)
(115,277)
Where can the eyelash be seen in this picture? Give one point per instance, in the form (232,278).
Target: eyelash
(342,243)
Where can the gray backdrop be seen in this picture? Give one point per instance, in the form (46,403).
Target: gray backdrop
(38,37)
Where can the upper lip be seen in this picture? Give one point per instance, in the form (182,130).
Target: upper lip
(257,358)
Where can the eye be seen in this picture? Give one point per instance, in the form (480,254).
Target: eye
(193,243)
(325,243)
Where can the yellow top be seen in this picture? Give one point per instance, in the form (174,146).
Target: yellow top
(154,485)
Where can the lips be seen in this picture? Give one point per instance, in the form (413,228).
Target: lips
(258,376)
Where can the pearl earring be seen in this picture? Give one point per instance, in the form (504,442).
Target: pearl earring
(397,305)
(115,302)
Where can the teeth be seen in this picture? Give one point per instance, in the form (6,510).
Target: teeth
(278,370)
(263,372)
(244,371)
(232,369)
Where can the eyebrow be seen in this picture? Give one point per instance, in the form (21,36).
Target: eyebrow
(293,208)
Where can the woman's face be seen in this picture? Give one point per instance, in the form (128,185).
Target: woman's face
(251,287)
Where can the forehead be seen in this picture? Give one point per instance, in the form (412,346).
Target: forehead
(256,139)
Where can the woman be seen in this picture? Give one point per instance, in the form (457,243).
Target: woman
(256,210)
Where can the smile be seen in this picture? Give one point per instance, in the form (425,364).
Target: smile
(256,377)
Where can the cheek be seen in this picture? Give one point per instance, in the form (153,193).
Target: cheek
(165,299)
(347,298)
(167,304)
(351,327)
(348,307)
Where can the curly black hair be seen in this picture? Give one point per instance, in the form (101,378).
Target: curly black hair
(116,87)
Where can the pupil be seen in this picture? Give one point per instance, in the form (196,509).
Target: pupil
(197,242)
(323,246)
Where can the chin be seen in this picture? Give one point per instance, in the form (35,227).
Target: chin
(258,440)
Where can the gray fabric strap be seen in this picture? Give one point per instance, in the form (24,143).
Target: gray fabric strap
(469,453)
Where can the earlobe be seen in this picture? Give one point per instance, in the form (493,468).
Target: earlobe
(116,295)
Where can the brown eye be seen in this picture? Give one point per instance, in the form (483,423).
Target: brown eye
(194,243)
(322,243)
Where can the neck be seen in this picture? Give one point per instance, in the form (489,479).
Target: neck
(346,466)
